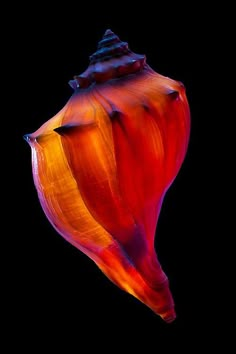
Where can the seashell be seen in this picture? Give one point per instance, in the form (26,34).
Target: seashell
(102,166)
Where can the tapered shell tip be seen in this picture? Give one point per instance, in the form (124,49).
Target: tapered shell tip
(108,33)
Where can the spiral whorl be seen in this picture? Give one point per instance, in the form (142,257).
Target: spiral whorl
(113,59)
(109,47)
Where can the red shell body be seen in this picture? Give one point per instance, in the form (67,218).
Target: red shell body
(103,164)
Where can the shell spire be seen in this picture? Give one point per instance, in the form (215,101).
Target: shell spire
(113,59)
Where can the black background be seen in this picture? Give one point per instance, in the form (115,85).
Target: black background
(59,296)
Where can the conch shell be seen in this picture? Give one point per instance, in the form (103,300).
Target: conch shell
(103,164)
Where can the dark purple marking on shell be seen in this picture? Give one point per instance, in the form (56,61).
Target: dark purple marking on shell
(173,94)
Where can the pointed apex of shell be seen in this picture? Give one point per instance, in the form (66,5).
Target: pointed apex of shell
(112,59)
(109,47)
(108,33)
